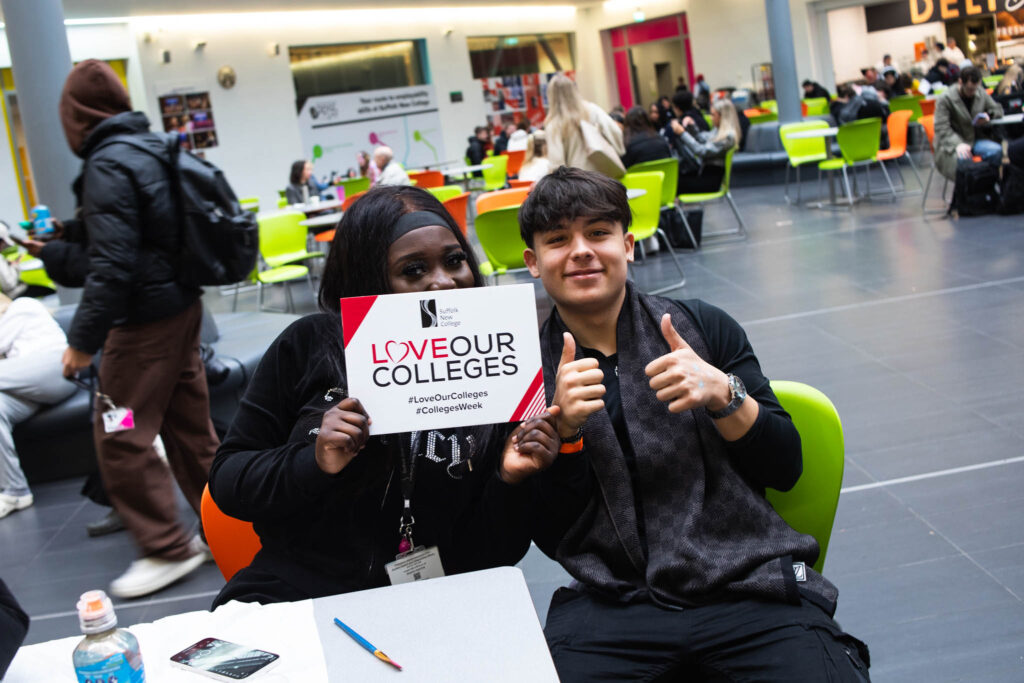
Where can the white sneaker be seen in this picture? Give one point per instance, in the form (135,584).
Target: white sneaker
(9,503)
(199,547)
(151,574)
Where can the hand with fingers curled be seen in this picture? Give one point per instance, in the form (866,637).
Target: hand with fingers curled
(531,448)
(682,379)
(344,430)
(578,388)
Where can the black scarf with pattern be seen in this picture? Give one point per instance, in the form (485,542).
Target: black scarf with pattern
(710,535)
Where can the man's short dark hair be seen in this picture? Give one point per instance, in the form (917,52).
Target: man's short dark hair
(566,194)
(970,74)
(479,129)
(808,83)
(940,46)
(683,100)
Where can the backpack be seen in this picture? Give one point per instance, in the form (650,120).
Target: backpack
(975,190)
(1012,186)
(219,239)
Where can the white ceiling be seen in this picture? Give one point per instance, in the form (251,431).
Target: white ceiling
(92,9)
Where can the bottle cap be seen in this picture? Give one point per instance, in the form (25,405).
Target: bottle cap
(95,612)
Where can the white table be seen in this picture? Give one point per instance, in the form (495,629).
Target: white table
(1007,120)
(826,133)
(317,207)
(322,222)
(479,626)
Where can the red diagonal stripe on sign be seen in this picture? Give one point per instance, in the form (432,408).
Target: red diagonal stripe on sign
(353,313)
(536,386)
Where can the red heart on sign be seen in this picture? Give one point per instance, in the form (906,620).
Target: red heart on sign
(404,345)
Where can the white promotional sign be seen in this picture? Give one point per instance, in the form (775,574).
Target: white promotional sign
(452,358)
(334,128)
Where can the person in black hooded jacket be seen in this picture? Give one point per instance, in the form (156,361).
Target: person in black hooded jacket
(147,323)
(642,142)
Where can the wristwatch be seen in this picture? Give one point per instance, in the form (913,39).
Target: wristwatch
(738,391)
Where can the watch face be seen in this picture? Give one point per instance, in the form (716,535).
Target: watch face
(739,391)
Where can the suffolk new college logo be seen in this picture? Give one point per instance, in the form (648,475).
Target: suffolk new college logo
(428,312)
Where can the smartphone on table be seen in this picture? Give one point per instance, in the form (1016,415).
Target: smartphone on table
(222,660)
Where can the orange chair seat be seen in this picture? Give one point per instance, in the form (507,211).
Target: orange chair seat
(927,107)
(327,236)
(501,198)
(233,542)
(520,183)
(457,206)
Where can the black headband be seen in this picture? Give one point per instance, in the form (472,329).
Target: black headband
(415,221)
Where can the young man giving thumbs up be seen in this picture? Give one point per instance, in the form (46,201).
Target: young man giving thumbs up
(656,503)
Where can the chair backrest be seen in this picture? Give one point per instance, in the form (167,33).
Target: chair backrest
(250,203)
(859,140)
(897,124)
(928,123)
(927,108)
(495,175)
(233,542)
(770,105)
(445,192)
(911,103)
(670,167)
(280,233)
(810,506)
(816,106)
(498,232)
(501,198)
(457,206)
(646,208)
(515,161)
(350,199)
(521,183)
(428,179)
(802,147)
(728,170)
(354,185)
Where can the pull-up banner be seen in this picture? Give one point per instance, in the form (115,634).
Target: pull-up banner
(908,12)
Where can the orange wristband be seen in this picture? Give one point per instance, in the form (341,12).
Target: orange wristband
(572,447)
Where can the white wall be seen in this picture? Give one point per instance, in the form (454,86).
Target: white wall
(853,48)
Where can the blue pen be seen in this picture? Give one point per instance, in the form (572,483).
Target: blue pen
(366,644)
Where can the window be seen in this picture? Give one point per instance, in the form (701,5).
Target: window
(354,67)
(493,56)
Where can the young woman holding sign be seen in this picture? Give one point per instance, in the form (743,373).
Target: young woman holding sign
(333,506)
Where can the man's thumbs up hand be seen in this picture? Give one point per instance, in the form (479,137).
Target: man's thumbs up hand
(578,388)
(683,379)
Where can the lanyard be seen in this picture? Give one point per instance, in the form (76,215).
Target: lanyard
(88,385)
(407,459)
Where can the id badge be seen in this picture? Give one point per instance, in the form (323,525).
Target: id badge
(118,420)
(415,565)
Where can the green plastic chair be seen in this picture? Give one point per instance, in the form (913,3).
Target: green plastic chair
(810,506)
(494,176)
(282,200)
(354,185)
(722,193)
(770,105)
(445,192)
(801,150)
(250,203)
(646,210)
(272,276)
(670,167)
(763,118)
(912,103)
(816,106)
(707,119)
(283,241)
(32,273)
(991,81)
(498,232)
(858,142)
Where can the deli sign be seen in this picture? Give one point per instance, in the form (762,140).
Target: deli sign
(922,11)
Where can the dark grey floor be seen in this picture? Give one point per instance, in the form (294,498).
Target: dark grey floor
(914,326)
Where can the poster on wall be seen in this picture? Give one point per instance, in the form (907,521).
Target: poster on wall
(1010,25)
(509,98)
(190,115)
(334,128)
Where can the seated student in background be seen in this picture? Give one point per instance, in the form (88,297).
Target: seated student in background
(367,169)
(682,107)
(656,505)
(31,347)
(959,111)
(301,183)
(326,499)
(535,162)
(705,150)
(391,172)
(642,142)
(517,140)
(894,87)
(813,89)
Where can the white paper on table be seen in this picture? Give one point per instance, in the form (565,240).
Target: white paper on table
(287,629)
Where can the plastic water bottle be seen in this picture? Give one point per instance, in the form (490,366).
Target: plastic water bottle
(107,654)
(42,221)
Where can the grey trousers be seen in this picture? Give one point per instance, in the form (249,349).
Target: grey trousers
(26,383)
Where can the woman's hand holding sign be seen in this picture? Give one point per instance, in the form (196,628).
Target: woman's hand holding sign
(532,447)
(578,388)
(344,430)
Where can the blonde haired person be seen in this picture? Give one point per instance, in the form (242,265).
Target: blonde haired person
(566,110)
(1013,81)
(535,164)
(705,150)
